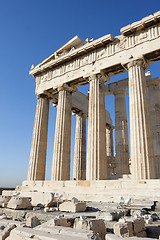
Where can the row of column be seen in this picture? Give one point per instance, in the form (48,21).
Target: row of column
(142,151)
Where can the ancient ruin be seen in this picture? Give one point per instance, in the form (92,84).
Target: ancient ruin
(99,174)
(93,62)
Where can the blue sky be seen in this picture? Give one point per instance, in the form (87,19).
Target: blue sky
(31,30)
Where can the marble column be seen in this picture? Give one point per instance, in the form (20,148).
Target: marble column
(96,149)
(62,140)
(121,134)
(109,150)
(142,152)
(154,103)
(109,140)
(79,168)
(37,161)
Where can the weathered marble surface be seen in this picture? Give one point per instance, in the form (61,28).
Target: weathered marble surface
(96,149)
(110,55)
(61,151)
(93,62)
(121,134)
(154,104)
(142,152)
(79,168)
(37,163)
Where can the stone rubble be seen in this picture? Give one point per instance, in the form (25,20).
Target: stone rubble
(138,225)
(114,237)
(61,233)
(60,221)
(97,221)
(41,199)
(130,226)
(6,226)
(123,229)
(96,225)
(45,198)
(5,231)
(32,221)
(72,207)
(4,201)
(19,203)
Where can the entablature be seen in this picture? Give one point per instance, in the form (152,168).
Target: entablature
(105,55)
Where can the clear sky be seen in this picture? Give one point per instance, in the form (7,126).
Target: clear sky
(31,30)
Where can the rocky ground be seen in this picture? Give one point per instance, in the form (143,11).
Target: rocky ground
(78,220)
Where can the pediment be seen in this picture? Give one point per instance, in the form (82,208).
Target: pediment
(73,48)
(71,45)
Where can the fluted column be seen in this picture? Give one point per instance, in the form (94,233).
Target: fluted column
(37,163)
(109,140)
(154,103)
(79,168)
(121,134)
(142,153)
(96,150)
(62,140)
(109,150)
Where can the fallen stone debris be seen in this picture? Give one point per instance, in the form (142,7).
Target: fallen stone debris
(4,201)
(55,218)
(130,227)
(19,203)
(32,221)
(72,207)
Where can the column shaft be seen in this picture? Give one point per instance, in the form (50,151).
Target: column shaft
(109,150)
(37,161)
(154,103)
(109,141)
(79,169)
(142,153)
(121,134)
(62,140)
(96,151)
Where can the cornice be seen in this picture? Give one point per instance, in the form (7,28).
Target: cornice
(50,62)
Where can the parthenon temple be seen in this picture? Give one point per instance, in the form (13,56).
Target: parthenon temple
(98,170)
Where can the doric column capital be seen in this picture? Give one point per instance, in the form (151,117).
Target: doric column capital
(138,62)
(98,76)
(41,96)
(79,113)
(65,86)
(109,126)
(120,91)
(92,77)
(55,104)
